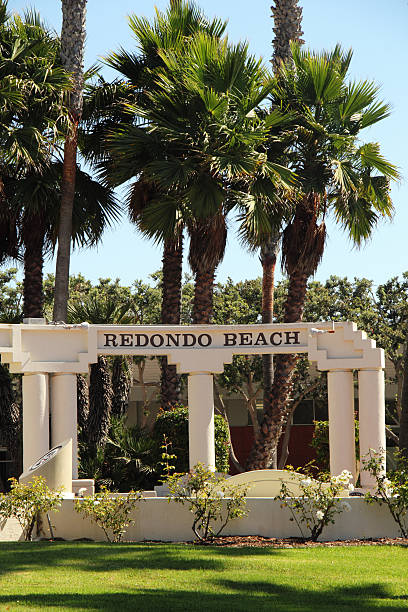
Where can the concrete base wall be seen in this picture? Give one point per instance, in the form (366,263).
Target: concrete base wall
(157,519)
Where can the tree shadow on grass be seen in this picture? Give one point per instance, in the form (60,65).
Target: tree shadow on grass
(257,596)
(96,557)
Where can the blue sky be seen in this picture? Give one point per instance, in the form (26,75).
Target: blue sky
(376,30)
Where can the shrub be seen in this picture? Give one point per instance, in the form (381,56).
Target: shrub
(317,505)
(391,491)
(111,513)
(320,443)
(127,461)
(210,499)
(26,502)
(174,425)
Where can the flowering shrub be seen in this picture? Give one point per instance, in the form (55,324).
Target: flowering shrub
(26,502)
(392,491)
(210,498)
(317,505)
(111,513)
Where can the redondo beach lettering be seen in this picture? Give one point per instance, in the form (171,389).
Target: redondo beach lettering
(188,340)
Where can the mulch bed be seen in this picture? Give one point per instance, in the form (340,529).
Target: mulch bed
(261,542)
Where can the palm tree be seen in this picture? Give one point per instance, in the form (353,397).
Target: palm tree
(198,148)
(172,29)
(335,172)
(32,113)
(72,53)
(287,18)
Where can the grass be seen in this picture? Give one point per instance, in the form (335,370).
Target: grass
(88,576)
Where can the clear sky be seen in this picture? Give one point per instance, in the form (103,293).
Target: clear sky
(376,30)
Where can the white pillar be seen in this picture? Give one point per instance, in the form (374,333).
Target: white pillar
(341,422)
(201,420)
(64,414)
(36,422)
(371,418)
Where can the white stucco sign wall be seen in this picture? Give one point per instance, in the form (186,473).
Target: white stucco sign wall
(49,356)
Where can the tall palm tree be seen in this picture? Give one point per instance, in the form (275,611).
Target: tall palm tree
(169,30)
(198,147)
(287,18)
(335,172)
(72,54)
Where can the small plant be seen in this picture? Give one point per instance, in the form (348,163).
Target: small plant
(26,503)
(210,499)
(167,468)
(317,505)
(111,513)
(391,491)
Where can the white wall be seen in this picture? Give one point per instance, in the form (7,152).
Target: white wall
(157,519)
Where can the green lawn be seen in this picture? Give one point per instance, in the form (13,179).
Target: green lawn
(72,576)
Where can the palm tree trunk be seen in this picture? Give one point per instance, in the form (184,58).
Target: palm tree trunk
(203,297)
(170,314)
(65,226)
(100,404)
(208,238)
(269,254)
(287,18)
(121,383)
(72,54)
(33,237)
(82,402)
(265,446)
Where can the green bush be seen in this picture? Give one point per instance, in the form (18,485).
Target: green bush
(391,492)
(127,461)
(320,443)
(210,498)
(110,512)
(317,503)
(26,502)
(174,425)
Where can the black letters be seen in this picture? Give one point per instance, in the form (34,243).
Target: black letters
(246,339)
(153,341)
(292,336)
(186,342)
(126,339)
(230,339)
(110,340)
(201,339)
(279,334)
(175,339)
(261,340)
(139,337)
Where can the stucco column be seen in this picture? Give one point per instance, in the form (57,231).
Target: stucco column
(201,420)
(64,414)
(341,422)
(371,417)
(36,423)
